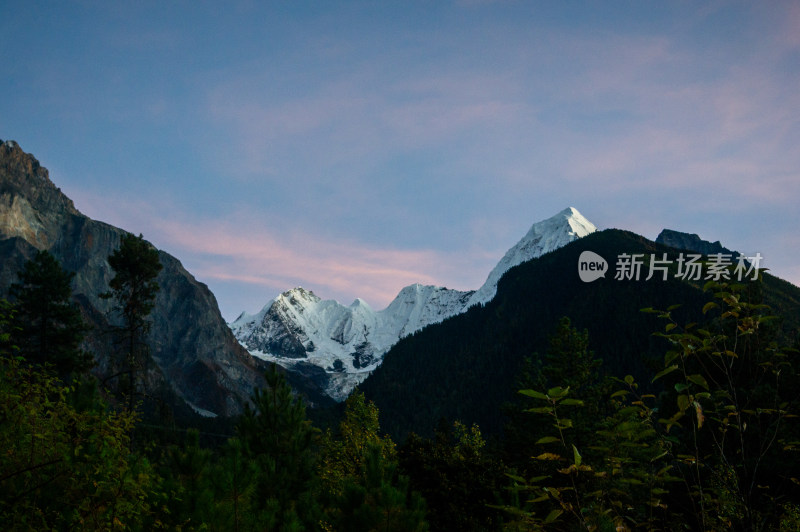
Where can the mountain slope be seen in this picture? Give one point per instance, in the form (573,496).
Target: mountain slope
(348,342)
(543,237)
(197,358)
(465,368)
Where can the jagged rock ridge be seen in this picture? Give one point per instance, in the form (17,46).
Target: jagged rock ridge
(692,242)
(349,342)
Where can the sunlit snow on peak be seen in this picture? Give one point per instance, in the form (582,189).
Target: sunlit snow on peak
(349,342)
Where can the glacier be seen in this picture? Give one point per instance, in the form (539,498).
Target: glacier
(349,342)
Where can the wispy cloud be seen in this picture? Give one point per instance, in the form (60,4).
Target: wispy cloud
(356,152)
(249,253)
(366,117)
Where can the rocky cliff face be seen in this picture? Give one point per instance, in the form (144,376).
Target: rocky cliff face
(692,242)
(195,353)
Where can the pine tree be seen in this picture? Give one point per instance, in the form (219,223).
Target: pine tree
(186,475)
(567,363)
(49,326)
(233,479)
(379,498)
(278,437)
(343,455)
(457,476)
(133,288)
(568,360)
(361,484)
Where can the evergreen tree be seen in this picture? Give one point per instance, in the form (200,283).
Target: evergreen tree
(361,485)
(568,360)
(133,288)
(185,476)
(379,499)
(570,363)
(233,479)
(457,477)
(343,454)
(567,363)
(276,435)
(49,326)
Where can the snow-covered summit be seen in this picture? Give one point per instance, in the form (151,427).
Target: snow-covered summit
(543,237)
(349,342)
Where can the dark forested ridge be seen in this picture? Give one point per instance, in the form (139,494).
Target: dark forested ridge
(465,367)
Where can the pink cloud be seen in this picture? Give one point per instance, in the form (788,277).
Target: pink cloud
(731,131)
(249,253)
(333,268)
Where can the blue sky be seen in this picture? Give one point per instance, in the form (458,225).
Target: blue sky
(356,147)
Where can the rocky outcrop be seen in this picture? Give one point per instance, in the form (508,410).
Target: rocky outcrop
(195,353)
(692,242)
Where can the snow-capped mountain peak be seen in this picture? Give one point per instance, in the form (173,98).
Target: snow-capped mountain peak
(349,342)
(543,237)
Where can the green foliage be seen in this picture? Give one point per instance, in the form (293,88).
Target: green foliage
(706,439)
(62,468)
(343,455)
(49,326)
(233,480)
(7,313)
(589,445)
(457,476)
(730,404)
(186,473)
(569,363)
(361,487)
(378,499)
(206,489)
(714,451)
(278,438)
(617,480)
(133,289)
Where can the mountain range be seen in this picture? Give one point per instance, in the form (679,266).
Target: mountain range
(348,342)
(432,353)
(469,366)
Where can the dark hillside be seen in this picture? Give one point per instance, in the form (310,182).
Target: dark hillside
(465,367)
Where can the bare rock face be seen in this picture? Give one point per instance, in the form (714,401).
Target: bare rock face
(692,242)
(195,353)
(31,206)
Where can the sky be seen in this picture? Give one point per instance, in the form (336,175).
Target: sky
(354,148)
